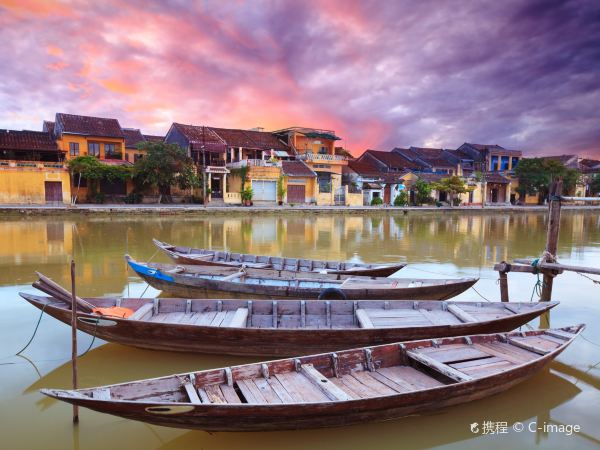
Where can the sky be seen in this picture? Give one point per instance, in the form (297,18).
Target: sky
(524,74)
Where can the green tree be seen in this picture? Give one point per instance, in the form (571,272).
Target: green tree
(165,165)
(94,171)
(401,199)
(536,174)
(595,184)
(453,186)
(423,192)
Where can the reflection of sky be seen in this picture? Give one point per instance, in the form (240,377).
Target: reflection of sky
(518,73)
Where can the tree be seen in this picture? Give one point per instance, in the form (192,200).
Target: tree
(401,199)
(281,189)
(423,192)
(453,185)
(341,151)
(595,184)
(165,165)
(93,171)
(536,174)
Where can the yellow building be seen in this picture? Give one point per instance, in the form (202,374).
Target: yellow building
(317,149)
(32,170)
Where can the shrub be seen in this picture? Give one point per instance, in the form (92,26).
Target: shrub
(376,201)
(98,198)
(133,197)
(401,199)
(456,201)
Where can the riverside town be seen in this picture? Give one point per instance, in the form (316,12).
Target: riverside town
(295,166)
(337,224)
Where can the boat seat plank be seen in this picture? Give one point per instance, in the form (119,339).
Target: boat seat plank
(365,378)
(462,315)
(214,394)
(324,384)
(251,392)
(192,393)
(528,345)
(407,375)
(239,318)
(488,367)
(363,319)
(143,312)
(400,322)
(267,391)
(559,334)
(230,394)
(442,368)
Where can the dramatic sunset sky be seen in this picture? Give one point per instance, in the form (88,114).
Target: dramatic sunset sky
(522,74)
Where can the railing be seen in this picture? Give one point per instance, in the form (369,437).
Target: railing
(321,156)
(253,162)
(11,164)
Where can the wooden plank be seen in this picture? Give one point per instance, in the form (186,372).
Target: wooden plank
(559,334)
(529,347)
(358,388)
(228,316)
(322,382)
(435,320)
(233,276)
(205,318)
(214,394)
(454,353)
(438,366)
(218,319)
(410,377)
(460,314)
(251,392)
(379,387)
(239,318)
(203,395)
(230,394)
(280,390)
(299,387)
(392,384)
(267,391)
(141,312)
(506,351)
(363,319)
(192,393)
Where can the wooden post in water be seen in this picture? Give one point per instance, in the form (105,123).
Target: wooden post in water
(74,338)
(552,236)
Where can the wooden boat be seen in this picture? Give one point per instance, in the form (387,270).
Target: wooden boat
(333,389)
(201,256)
(286,327)
(194,281)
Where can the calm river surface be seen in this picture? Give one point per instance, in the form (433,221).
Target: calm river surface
(439,245)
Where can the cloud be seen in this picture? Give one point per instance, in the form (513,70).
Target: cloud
(522,74)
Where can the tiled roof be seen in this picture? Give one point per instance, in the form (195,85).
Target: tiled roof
(570,161)
(27,140)
(432,156)
(364,168)
(48,126)
(153,138)
(460,154)
(495,177)
(133,137)
(88,125)
(393,160)
(199,136)
(486,146)
(431,177)
(297,169)
(250,139)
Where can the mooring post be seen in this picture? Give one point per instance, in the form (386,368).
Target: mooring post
(552,236)
(503,286)
(74,337)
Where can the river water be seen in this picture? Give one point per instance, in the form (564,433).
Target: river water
(434,245)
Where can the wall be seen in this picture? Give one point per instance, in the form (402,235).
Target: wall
(63,144)
(325,198)
(353,199)
(26,184)
(309,187)
(304,144)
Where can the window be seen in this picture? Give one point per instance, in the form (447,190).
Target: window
(137,157)
(494,163)
(73,148)
(94,149)
(504,162)
(109,151)
(515,162)
(323,150)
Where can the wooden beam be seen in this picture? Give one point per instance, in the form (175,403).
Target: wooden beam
(515,268)
(442,368)
(552,236)
(461,315)
(327,387)
(558,267)
(503,286)
(239,318)
(580,199)
(531,348)
(363,319)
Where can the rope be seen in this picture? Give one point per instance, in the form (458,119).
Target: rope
(589,278)
(34,332)
(539,284)
(477,292)
(147,286)
(93,338)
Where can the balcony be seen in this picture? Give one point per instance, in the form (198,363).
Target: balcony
(41,165)
(253,163)
(322,157)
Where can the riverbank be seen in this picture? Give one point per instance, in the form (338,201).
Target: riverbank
(47,210)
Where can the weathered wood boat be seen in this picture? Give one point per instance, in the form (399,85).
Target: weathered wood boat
(194,281)
(333,389)
(201,256)
(285,327)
